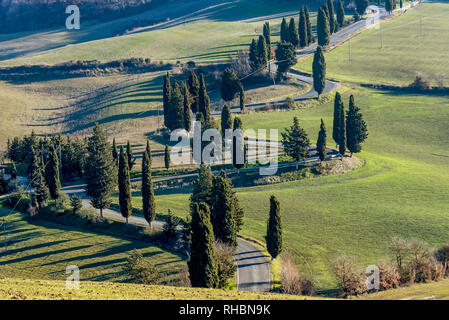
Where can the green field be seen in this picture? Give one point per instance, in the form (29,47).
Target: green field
(43,250)
(402,190)
(406,51)
(19,289)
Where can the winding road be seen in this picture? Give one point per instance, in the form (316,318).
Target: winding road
(253,269)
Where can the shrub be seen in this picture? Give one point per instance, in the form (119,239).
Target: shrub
(292,281)
(421,83)
(290,103)
(141,271)
(442,255)
(170,225)
(351,280)
(76,203)
(388,275)
(225,263)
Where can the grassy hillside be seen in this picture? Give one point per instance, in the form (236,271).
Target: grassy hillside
(43,250)
(406,49)
(17,288)
(188,33)
(429,291)
(402,190)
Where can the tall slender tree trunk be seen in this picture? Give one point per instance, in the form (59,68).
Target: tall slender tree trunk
(126,220)
(101,213)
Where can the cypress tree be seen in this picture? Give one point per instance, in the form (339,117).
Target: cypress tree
(284,31)
(204,101)
(274,229)
(321,142)
(176,108)
(323,29)
(230,85)
(333,27)
(296,142)
(226,119)
(338,103)
(166,99)
(303,39)
(286,58)
(340,14)
(341,131)
(237,146)
(310,37)
(293,31)
(100,171)
(114,152)
(167,157)
(40,187)
(148,203)
(52,174)
(187,116)
(319,71)
(356,130)
(124,186)
(13,171)
(194,90)
(361,6)
(242,98)
(202,265)
(222,215)
(253,61)
(267,36)
(262,54)
(389,5)
(129,155)
(148,151)
(202,188)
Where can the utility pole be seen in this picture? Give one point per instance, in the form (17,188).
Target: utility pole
(381,39)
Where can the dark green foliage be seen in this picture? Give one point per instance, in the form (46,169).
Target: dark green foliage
(170,224)
(204,102)
(76,203)
(41,192)
(295,141)
(130,156)
(238,159)
(166,99)
(293,33)
(101,173)
(202,190)
(262,54)
(389,4)
(310,36)
(176,108)
(230,85)
(222,213)
(285,35)
(202,264)
(242,98)
(274,229)
(124,186)
(194,90)
(187,113)
(267,36)
(286,55)
(319,71)
(400,4)
(226,119)
(340,14)
(356,130)
(302,27)
(323,29)
(361,6)
(13,171)
(225,263)
(52,174)
(253,61)
(342,130)
(338,107)
(321,142)
(333,27)
(167,157)
(114,152)
(148,203)
(73,158)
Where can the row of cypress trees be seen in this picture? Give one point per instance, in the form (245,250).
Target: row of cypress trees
(349,129)
(327,22)
(301,35)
